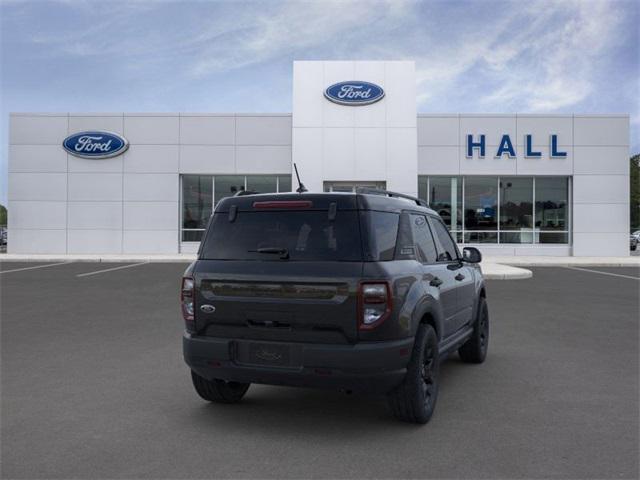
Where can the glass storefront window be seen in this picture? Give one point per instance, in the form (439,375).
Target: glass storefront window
(262,183)
(200,193)
(505,210)
(516,209)
(196,206)
(480,203)
(552,195)
(284,183)
(445,197)
(227,186)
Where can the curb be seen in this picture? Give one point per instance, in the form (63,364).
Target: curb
(496,271)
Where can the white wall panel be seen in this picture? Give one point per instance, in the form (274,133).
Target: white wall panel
(37,129)
(95,165)
(207,130)
(493,127)
(308,98)
(441,130)
(151,215)
(150,241)
(402,161)
(601,189)
(152,130)
(600,244)
(601,130)
(207,159)
(263,130)
(400,97)
(600,218)
(541,127)
(95,187)
(370,149)
(37,158)
(307,152)
(339,153)
(45,215)
(150,187)
(95,215)
(36,241)
(488,165)
(38,186)
(334,115)
(438,161)
(110,123)
(545,165)
(601,160)
(263,159)
(374,115)
(94,241)
(152,159)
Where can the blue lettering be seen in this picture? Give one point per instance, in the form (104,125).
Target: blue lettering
(529,153)
(506,147)
(471,145)
(554,148)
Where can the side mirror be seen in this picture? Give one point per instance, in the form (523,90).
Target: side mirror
(471,255)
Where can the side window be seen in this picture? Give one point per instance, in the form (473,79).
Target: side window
(426,249)
(447,250)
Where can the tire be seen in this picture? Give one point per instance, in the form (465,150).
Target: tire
(475,349)
(414,400)
(219,391)
(633,248)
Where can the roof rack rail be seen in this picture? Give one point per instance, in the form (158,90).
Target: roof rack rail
(387,193)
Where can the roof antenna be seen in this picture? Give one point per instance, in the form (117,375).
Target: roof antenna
(301,188)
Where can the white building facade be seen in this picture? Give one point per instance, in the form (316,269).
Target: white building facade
(510,184)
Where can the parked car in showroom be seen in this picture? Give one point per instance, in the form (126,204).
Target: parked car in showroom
(633,242)
(362,291)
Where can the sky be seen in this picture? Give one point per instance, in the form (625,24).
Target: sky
(477,56)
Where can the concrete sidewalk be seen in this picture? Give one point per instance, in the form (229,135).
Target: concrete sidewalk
(490,269)
(545,261)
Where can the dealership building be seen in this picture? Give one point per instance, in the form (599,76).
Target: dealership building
(138,183)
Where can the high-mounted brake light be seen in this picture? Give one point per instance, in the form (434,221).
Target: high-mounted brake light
(187,302)
(284,204)
(374,304)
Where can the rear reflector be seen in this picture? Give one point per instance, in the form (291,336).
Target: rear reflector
(284,204)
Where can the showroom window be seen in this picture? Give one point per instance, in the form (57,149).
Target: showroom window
(200,194)
(505,210)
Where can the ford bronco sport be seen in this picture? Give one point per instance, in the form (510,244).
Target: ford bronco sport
(361,291)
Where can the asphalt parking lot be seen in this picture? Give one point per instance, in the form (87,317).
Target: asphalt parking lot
(94,386)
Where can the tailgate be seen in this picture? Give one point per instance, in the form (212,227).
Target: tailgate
(281,301)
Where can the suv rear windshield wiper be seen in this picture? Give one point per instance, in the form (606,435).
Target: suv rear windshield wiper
(283,252)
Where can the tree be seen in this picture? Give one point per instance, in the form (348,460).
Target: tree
(3,215)
(634,204)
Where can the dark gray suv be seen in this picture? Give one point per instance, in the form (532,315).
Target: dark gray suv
(352,291)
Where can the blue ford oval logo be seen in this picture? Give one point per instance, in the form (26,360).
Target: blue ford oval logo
(354,92)
(95,144)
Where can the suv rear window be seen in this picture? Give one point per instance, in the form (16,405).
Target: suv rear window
(305,235)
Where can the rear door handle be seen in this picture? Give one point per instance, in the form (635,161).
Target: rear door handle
(435,282)
(459,277)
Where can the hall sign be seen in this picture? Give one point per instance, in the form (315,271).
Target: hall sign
(95,144)
(506,147)
(354,92)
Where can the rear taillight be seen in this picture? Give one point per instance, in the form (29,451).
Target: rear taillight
(187,302)
(374,304)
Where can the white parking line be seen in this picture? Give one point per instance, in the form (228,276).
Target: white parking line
(604,273)
(33,268)
(110,269)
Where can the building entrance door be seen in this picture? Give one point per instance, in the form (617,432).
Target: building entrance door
(351,186)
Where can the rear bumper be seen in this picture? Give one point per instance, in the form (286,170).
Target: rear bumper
(364,367)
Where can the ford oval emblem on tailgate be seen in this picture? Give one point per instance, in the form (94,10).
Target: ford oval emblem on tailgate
(208,308)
